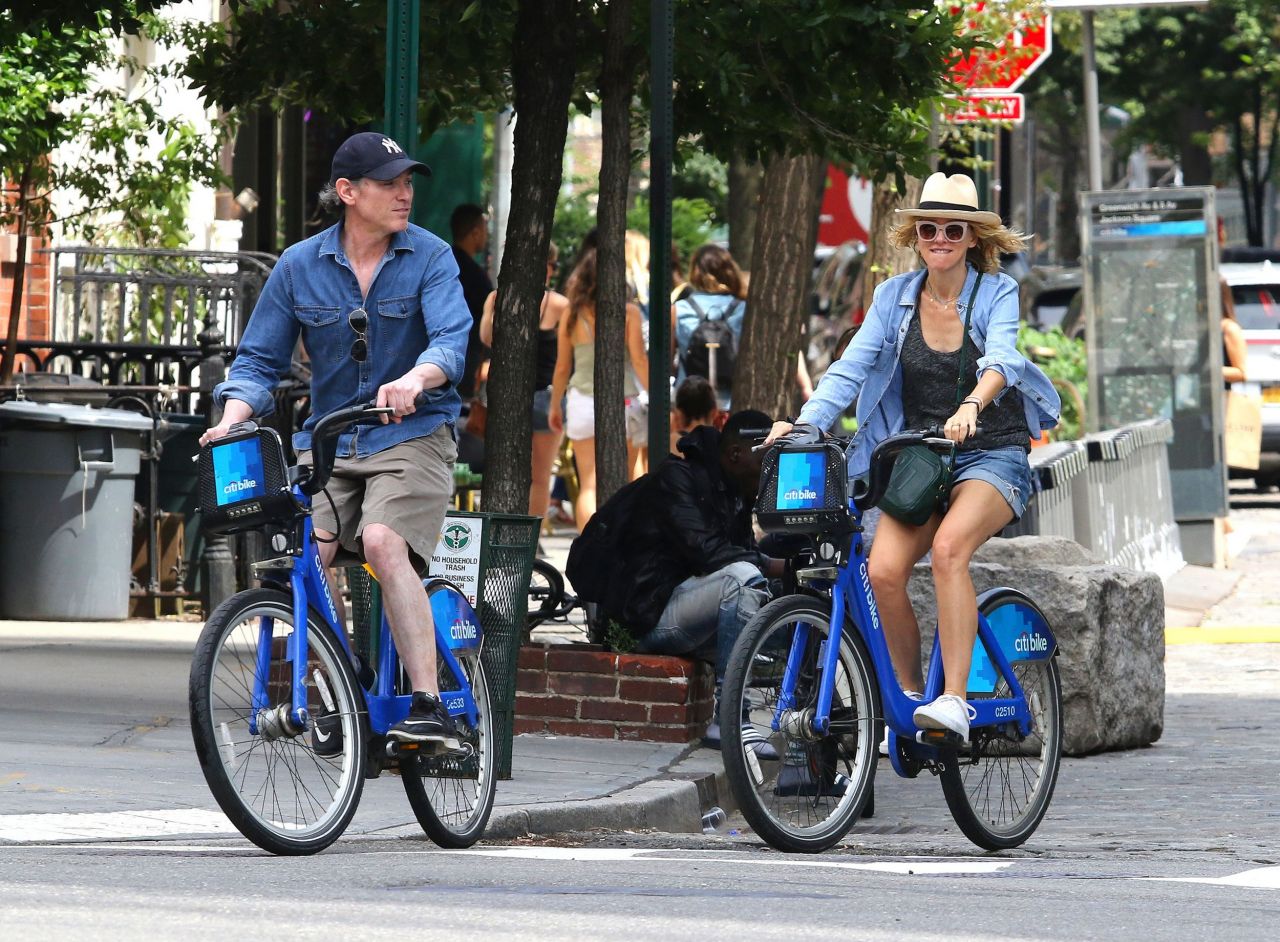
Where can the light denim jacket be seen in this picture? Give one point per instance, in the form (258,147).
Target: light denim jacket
(870,371)
(417,315)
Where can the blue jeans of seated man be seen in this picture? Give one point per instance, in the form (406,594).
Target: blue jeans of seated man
(705,615)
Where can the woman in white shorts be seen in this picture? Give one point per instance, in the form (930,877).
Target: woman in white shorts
(575,369)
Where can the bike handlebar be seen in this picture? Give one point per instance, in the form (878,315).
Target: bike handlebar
(868,491)
(324,437)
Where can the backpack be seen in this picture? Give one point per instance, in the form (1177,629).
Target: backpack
(697,356)
(596,564)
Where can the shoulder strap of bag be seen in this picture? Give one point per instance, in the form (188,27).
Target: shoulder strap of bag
(964,340)
(964,350)
(697,308)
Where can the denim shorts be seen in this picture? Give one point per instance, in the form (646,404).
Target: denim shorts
(1006,469)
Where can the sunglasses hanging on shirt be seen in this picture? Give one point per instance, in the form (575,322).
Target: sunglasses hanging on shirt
(358,320)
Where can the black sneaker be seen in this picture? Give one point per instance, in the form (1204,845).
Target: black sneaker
(326,735)
(428,722)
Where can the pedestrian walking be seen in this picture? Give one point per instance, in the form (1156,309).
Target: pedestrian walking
(575,374)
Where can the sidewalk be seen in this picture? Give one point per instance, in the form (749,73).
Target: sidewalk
(562,784)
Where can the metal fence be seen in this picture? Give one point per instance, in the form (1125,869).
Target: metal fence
(152,330)
(1110,492)
(140,317)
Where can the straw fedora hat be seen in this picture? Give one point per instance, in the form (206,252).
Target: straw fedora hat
(950,197)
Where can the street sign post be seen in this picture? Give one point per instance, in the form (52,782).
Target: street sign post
(990,77)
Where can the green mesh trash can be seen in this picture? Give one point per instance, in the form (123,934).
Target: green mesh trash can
(489,556)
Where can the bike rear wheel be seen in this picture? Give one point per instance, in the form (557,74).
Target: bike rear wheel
(808,799)
(546,593)
(451,795)
(277,789)
(998,789)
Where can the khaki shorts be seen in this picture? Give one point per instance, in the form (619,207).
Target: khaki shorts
(406,488)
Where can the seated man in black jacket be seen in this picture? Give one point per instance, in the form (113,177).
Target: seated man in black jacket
(695,574)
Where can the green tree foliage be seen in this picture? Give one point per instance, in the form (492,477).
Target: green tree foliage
(1066,363)
(110,153)
(848,80)
(1222,60)
(332,57)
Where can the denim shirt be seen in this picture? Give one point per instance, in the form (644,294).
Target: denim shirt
(417,315)
(869,369)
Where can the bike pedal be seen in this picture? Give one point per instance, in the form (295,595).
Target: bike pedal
(940,737)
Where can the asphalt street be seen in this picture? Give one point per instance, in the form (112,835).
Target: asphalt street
(1179,841)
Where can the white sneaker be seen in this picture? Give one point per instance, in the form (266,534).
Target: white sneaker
(947,712)
(884,743)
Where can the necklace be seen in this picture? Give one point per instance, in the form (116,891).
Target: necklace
(944,302)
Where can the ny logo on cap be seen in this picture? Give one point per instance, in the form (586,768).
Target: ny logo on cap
(391,146)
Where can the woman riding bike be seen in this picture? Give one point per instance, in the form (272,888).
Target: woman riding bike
(902,367)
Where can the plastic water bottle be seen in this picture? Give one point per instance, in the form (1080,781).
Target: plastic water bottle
(713,819)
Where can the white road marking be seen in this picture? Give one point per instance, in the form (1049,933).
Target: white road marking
(902,866)
(1262,878)
(112,825)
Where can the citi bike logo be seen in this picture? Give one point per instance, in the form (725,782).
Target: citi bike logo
(870,597)
(462,630)
(802,493)
(236,486)
(324,587)
(1031,644)
(457,536)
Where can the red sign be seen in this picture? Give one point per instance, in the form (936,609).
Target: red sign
(1026,45)
(987,107)
(846,209)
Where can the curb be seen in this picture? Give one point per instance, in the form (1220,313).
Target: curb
(674,802)
(671,805)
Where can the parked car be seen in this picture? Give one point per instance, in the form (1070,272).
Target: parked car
(1050,297)
(1255,289)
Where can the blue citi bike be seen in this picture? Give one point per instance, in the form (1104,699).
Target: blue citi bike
(811,673)
(287,720)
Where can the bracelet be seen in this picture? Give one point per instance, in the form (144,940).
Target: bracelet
(975,400)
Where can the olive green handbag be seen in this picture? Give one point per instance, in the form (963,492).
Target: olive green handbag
(921,478)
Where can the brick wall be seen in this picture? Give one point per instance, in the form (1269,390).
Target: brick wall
(583,690)
(33,320)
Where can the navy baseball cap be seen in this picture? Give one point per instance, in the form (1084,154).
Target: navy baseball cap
(374,155)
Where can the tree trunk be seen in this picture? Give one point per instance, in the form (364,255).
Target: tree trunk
(616,88)
(778,299)
(1067,224)
(745,178)
(884,260)
(542,76)
(19,280)
(1197,166)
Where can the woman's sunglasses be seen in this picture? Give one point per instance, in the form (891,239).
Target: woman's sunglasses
(359,322)
(951,231)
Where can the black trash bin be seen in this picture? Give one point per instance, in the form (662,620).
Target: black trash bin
(66,498)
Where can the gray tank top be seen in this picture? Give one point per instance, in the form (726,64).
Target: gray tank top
(929,393)
(584,366)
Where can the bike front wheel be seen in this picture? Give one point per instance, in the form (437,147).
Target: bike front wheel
(998,788)
(452,795)
(289,790)
(800,791)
